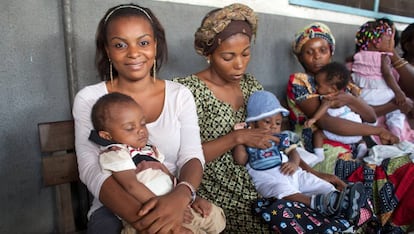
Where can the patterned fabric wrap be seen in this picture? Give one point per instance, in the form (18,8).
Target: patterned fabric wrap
(313,30)
(392,186)
(294,217)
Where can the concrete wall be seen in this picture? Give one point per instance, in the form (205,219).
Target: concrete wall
(34,86)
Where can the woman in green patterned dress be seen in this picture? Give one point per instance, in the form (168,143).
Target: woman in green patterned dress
(221,91)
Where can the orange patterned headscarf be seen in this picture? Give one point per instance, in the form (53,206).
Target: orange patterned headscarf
(314,30)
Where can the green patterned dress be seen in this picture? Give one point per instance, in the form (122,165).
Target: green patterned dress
(224,183)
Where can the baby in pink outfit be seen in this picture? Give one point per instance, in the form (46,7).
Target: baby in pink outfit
(372,72)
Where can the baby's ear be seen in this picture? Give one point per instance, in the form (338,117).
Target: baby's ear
(105,135)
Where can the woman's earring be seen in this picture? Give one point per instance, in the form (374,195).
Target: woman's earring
(110,73)
(154,69)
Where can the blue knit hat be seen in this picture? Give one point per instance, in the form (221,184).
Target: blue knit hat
(263,104)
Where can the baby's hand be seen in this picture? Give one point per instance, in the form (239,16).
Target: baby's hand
(288,168)
(308,123)
(202,206)
(400,98)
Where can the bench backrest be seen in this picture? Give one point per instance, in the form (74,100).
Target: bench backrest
(60,169)
(57,140)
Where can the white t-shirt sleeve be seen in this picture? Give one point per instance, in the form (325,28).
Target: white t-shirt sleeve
(190,131)
(87,152)
(176,132)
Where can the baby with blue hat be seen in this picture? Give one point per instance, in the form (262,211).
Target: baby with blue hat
(263,104)
(265,112)
(275,171)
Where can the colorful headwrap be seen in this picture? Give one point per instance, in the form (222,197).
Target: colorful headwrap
(314,30)
(371,31)
(222,23)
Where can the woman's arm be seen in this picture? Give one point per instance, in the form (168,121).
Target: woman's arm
(406,73)
(128,180)
(390,80)
(114,197)
(392,106)
(345,127)
(356,104)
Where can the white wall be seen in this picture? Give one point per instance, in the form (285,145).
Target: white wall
(282,7)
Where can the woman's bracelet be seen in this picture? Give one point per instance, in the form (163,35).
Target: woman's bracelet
(399,63)
(192,190)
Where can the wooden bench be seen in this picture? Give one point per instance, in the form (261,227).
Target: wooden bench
(60,170)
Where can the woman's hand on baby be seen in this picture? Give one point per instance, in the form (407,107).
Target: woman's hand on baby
(202,206)
(339,99)
(387,138)
(162,214)
(257,138)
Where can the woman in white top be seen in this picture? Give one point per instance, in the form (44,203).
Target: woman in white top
(131,47)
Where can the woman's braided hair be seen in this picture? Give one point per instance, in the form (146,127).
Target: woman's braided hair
(217,20)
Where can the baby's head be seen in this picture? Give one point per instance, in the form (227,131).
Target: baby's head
(264,111)
(375,36)
(331,78)
(117,117)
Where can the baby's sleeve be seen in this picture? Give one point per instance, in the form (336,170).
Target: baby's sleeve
(116,160)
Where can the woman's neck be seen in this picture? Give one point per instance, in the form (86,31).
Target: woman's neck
(149,93)
(132,86)
(226,91)
(210,76)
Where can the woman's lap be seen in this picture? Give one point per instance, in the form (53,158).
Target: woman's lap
(104,221)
